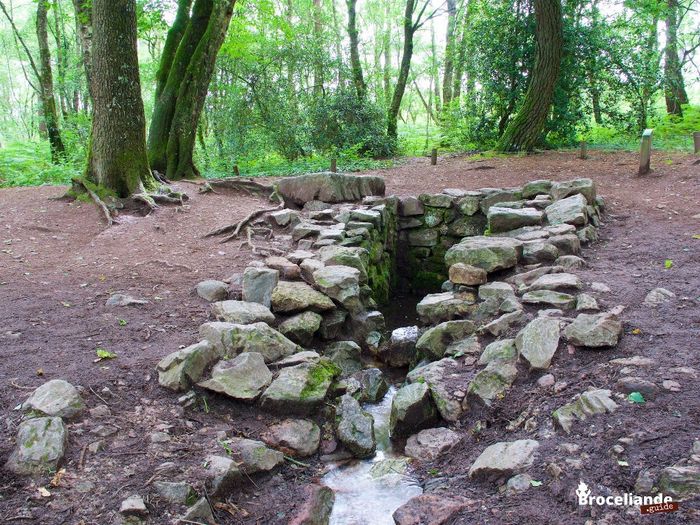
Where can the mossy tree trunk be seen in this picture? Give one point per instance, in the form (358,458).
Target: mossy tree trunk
(355,64)
(675,92)
(117,159)
(48,101)
(450,48)
(183,80)
(525,130)
(83,24)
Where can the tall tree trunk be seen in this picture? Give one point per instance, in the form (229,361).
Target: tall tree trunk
(172,41)
(83,22)
(675,93)
(450,45)
(356,66)
(460,55)
(435,69)
(318,44)
(523,133)
(177,110)
(117,158)
(48,102)
(386,48)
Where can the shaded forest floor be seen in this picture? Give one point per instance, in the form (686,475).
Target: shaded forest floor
(58,266)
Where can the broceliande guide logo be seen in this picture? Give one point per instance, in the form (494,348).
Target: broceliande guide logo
(646,504)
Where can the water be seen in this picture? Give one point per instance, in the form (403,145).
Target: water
(368,492)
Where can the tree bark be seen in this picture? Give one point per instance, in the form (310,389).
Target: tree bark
(184,75)
(523,132)
(117,158)
(48,101)
(460,56)
(356,66)
(318,44)
(675,92)
(386,45)
(450,47)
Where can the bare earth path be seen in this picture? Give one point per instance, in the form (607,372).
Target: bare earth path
(58,265)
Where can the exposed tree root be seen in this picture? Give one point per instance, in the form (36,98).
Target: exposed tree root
(238,226)
(99,202)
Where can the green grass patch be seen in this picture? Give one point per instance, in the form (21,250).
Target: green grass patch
(29,164)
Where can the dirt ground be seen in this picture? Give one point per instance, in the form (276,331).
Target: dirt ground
(58,265)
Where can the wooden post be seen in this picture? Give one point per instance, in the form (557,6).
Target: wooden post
(584,150)
(334,165)
(236,171)
(645,153)
(696,141)
(433,157)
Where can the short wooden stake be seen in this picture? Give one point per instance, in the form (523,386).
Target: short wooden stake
(334,165)
(645,153)
(696,141)
(236,171)
(433,157)
(584,150)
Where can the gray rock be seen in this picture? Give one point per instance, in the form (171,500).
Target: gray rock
(568,244)
(341,283)
(332,324)
(373,386)
(401,349)
(570,262)
(588,233)
(222,474)
(435,341)
(307,356)
(469,204)
(243,378)
(536,187)
(658,296)
(301,328)
(427,237)
(411,409)
(133,506)
(493,381)
(328,187)
(308,267)
(594,330)
(431,443)
(468,226)
(119,299)
(317,506)
(241,312)
(494,196)
(440,377)
(556,281)
(503,324)
(488,253)
(499,350)
(523,279)
(438,200)
(585,301)
(346,355)
(538,342)
(535,252)
(354,257)
(55,398)
(39,446)
(295,437)
(300,389)
(283,217)
(682,482)
(438,307)
(355,428)
(586,187)
(506,219)
(584,406)
(179,370)
(637,384)
(505,459)
(173,491)
(212,290)
(410,207)
(304,230)
(518,484)
(557,299)
(497,289)
(253,456)
(200,512)
(430,509)
(291,297)
(466,274)
(258,284)
(571,210)
(286,268)
(230,339)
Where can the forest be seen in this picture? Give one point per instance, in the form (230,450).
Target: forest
(281,87)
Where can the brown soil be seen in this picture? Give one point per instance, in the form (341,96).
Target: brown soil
(59,265)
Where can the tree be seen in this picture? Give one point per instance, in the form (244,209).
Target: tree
(186,68)
(356,66)
(117,159)
(523,132)
(675,93)
(410,26)
(48,102)
(450,46)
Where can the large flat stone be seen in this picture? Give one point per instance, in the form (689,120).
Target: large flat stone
(328,187)
(489,253)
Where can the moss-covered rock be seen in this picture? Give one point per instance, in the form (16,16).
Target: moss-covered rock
(40,446)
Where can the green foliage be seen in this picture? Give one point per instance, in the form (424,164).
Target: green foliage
(342,121)
(29,164)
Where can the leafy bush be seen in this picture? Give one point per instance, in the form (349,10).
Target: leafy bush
(342,121)
(29,164)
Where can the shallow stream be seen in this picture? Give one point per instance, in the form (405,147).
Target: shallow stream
(367,492)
